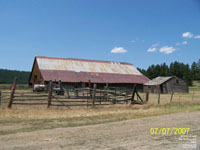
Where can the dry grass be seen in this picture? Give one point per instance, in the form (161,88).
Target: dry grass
(31,118)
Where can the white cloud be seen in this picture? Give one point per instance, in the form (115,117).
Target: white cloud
(184,42)
(118,50)
(152,49)
(167,49)
(132,41)
(197,37)
(155,45)
(187,35)
(178,44)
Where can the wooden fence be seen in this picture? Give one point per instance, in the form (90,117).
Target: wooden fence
(70,97)
(76,97)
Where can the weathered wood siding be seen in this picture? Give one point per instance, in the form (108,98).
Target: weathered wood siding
(36,77)
(172,85)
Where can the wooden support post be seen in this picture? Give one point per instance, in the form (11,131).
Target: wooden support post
(133,95)
(193,96)
(0,98)
(87,98)
(89,84)
(125,97)
(172,94)
(61,91)
(138,96)
(158,97)
(50,94)
(147,97)
(12,94)
(100,97)
(115,95)
(93,95)
(68,93)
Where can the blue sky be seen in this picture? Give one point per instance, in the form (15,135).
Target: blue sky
(142,32)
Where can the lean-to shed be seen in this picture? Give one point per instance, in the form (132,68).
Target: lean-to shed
(166,85)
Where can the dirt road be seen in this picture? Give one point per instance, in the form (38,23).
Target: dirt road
(123,135)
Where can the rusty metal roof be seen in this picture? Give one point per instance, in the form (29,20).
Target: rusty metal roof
(71,76)
(81,70)
(78,65)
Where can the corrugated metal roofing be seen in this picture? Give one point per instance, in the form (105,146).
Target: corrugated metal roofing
(158,80)
(77,65)
(81,70)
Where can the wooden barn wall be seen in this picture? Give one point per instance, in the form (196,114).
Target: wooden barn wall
(36,72)
(100,85)
(173,85)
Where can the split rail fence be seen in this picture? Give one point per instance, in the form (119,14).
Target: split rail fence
(76,97)
(70,97)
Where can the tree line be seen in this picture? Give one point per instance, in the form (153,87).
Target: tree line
(7,76)
(184,71)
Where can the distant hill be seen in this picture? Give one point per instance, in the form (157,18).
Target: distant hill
(7,76)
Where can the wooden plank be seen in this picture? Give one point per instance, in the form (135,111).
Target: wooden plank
(171,97)
(12,93)
(147,96)
(93,95)
(133,94)
(77,105)
(80,97)
(57,100)
(193,96)
(139,96)
(50,94)
(158,97)
(5,92)
(30,100)
(0,97)
(29,103)
(24,95)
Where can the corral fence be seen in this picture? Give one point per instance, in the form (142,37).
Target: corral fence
(57,95)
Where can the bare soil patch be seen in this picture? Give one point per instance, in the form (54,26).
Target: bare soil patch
(121,135)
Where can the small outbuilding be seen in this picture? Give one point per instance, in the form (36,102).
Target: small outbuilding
(166,85)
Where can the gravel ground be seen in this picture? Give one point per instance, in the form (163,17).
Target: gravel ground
(122,135)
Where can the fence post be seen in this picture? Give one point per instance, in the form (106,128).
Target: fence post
(0,98)
(93,95)
(193,96)
(172,94)
(50,94)
(12,93)
(147,97)
(133,94)
(89,85)
(158,97)
(68,93)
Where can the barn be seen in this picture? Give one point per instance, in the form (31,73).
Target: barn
(166,85)
(81,72)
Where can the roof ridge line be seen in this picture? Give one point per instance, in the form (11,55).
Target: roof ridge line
(86,60)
